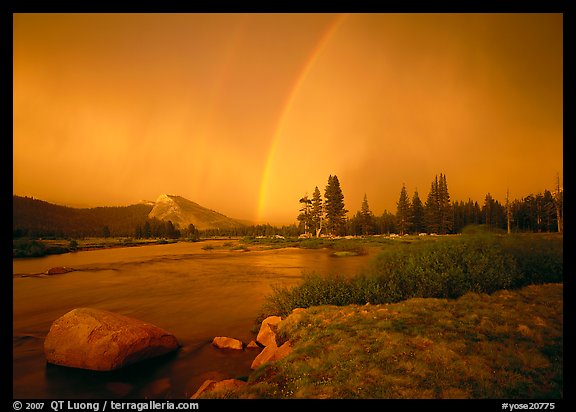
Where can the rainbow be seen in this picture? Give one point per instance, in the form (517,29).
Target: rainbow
(306,67)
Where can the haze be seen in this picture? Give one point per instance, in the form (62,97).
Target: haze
(246,113)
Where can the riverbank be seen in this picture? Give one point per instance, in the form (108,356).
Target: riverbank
(505,345)
(23,247)
(195,294)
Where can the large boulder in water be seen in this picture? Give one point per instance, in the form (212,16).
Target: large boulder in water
(99,340)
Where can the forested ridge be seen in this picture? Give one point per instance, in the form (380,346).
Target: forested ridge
(38,218)
(321,214)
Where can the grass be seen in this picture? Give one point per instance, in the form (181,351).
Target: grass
(446,268)
(505,345)
(471,316)
(35,248)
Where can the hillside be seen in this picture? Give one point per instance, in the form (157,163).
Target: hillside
(38,218)
(183,212)
(34,217)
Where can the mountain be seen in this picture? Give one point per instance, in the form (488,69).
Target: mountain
(183,212)
(34,217)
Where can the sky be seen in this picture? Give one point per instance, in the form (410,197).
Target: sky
(247,113)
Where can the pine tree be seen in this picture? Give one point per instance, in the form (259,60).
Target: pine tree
(387,223)
(147,230)
(431,209)
(316,211)
(417,214)
(366,218)
(334,207)
(445,214)
(487,212)
(438,211)
(192,232)
(403,211)
(305,216)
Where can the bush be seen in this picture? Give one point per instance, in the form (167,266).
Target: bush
(481,263)
(28,248)
(539,257)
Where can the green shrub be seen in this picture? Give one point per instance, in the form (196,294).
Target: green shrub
(539,257)
(28,248)
(313,243)
(449,268)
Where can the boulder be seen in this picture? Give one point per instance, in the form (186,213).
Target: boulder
(58,270)
(267,334)
(252,345)
(99,340)
(212,385)
(223,342)
(272,353)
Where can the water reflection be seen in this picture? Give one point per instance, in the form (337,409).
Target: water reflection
(193,293)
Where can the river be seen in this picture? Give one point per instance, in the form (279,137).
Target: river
(194,293)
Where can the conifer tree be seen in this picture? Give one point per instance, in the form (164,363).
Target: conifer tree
(316,211)
(445,213)
(417,214)
(334,207)
(431,215)
(305,216)
(403,212)
(366,217)
(438,211)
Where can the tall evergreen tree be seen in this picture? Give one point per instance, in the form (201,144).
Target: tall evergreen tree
(316,211)
(147,230)
(366,217)
(387,223)
(445,212)
(431,209)
(487,210)
(334,207)
(305,215)
(417,214)
(438,211)
(403,212)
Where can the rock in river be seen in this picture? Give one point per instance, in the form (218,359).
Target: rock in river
(224,342)
(58,270)
(99,340)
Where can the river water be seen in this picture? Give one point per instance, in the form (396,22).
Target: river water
(194,293)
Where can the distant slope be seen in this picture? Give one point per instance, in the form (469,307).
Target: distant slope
(40,218)
(183,212)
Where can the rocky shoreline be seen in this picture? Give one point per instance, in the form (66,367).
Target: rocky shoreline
(99,340)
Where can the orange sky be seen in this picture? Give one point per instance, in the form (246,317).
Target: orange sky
(245,113)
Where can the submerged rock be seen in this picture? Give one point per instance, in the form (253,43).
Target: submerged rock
(100,340)
(58,270)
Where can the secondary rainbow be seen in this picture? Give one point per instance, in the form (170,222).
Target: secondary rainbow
(306,67)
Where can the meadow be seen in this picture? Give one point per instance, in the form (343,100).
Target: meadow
(437,267)
(466,316)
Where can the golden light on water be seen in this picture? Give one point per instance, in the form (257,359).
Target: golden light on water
(244,113)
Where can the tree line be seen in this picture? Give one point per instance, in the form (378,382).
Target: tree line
(34,218)
(438,214)
(320,214)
